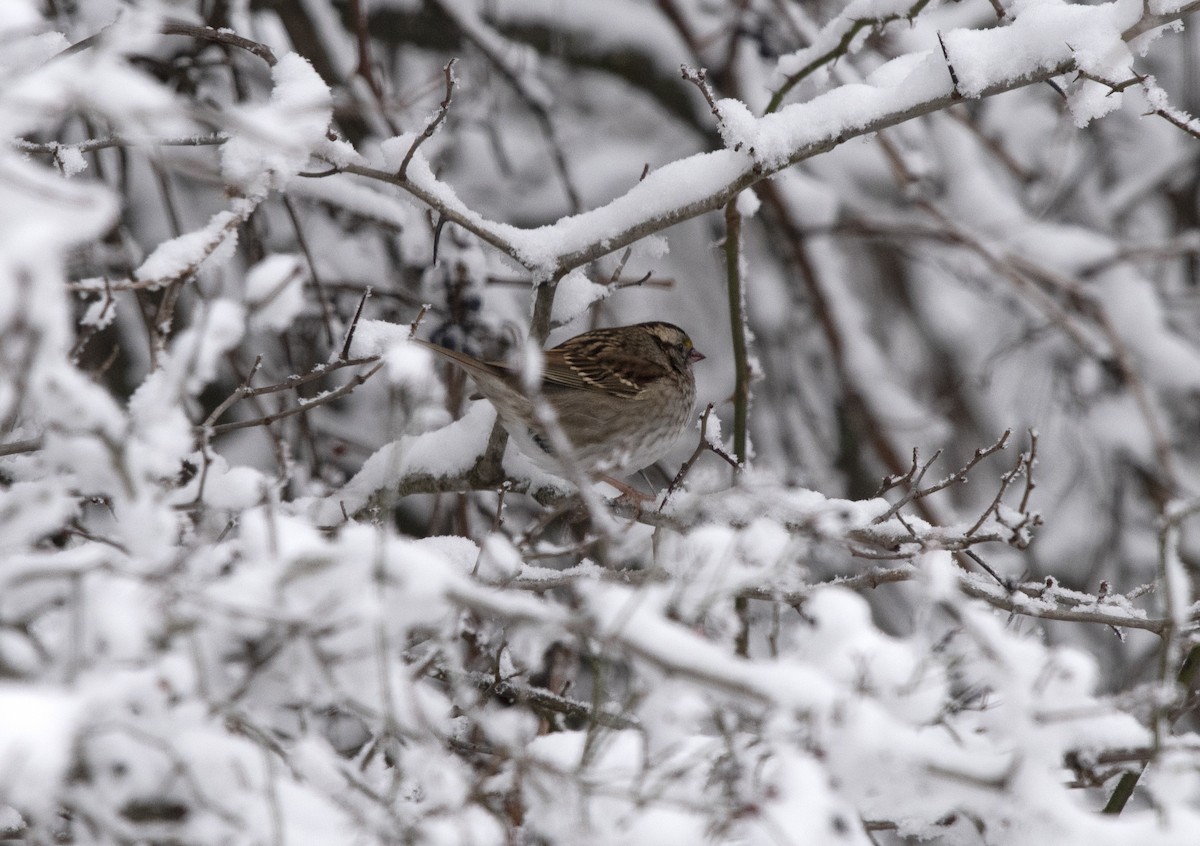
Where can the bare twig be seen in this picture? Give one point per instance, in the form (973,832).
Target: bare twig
(313,273)
(699,78)
(542,700)
(949,65)
(416,321)
(737,327)
(55,148)
(20,447)
(349,342)
(433,124)
(492,45)
(243,390)
(616,274)
(1030,463)
(704,445)
(897,479)
(1005,480)
(220,36)
(318,372)
(911,479)
(1156,98)
(960,475)
(301,408)
(983,565)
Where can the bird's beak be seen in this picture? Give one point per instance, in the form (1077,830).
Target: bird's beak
(695,355)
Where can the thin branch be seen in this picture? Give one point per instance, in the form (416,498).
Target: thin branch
(958,476)
(242,391)
(486,231)
(868,579)
(1005,480)
(1119,355)
(543,701)
(620,268)
(301,408)
(118,140)
(172,27)
(911,480)
(220,36)
(1079,608)
(20,447)
(349,342)
(699,78)
(704,445)
(499,236)
(416,321)
(737,328)
(897,479)
(433,124)
(313,273)
(495,47)
(856,25)
(1030,463)
(365,67)
(983,565)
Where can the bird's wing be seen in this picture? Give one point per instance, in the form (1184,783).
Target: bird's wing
(594,364)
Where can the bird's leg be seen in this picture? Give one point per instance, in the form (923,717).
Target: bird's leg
(628,492)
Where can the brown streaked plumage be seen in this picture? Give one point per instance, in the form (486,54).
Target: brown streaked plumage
(622,396)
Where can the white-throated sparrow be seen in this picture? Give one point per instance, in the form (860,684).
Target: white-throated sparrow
(622,396)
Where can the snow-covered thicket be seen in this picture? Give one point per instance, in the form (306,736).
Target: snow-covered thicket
(268,576)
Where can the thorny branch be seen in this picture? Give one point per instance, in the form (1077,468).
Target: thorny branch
(1156,98)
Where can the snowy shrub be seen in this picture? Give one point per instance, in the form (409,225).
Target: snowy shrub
(922,572)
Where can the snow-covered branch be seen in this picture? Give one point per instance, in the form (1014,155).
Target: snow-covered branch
(269,575)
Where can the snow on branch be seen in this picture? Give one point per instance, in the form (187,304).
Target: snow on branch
(374,624)
(758,148)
